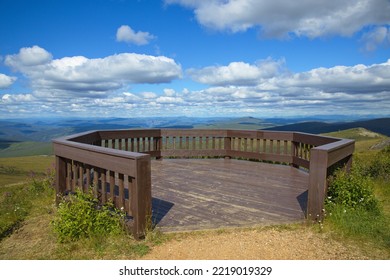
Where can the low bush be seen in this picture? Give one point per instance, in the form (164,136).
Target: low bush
(351,190)
(80,215)
(380,167)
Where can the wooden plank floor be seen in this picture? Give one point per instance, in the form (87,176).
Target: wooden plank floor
(193,194)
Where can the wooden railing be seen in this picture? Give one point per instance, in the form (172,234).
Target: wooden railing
(117,163)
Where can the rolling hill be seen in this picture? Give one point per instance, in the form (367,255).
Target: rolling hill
(381,126)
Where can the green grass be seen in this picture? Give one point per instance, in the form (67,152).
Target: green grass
(364,138)
(29,209)
(19,169)
(368,226)
(22,149)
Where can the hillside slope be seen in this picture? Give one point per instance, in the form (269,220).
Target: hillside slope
(381,126)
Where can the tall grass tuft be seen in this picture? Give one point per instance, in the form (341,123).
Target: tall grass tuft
(357,202)
(81,216)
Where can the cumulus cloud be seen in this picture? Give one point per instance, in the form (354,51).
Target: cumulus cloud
(17,98)
(28,57)
(280,18)
(237,73)
(270,75)
(356,89)
(353,79)
(81,76)
(6,81)
(126,34)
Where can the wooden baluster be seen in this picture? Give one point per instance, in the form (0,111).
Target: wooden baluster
(121,196)
(112,186)
(81,176)
(285,147)
(103,183)
(61,177)
(132,144)
(128,207)
(87,178)
(69,175)
(138,144)
(193,143)
(75,176)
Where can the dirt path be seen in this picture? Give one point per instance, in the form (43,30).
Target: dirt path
(271,244)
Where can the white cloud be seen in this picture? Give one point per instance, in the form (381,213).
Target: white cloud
(358,89)
(6,81)
(169,99)
(273,76)
(280,18)
(353,79)
(126,34)
(237,73)
(169,92)
(378,36)
(149,95)
(28,57)
(17,98)
(80,76)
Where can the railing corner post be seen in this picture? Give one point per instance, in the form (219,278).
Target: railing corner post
(317,184)
(142,198)
(60,179)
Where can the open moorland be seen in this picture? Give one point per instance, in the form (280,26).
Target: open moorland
(349,231)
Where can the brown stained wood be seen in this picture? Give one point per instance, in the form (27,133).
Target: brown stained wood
(61,177)
(111,175)
(123,161)
(68,174)
(103,186)
(77,155)
(201,194)
(121,196)
(95,186)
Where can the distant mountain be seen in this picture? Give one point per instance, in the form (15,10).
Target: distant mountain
(381,126)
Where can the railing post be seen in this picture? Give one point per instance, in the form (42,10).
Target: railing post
(227,146)
(141,198)
(317,184)
(158,147)
(294,152)
(60,178)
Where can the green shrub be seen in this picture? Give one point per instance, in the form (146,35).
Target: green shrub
(380,167)
(351,190)
(81,216)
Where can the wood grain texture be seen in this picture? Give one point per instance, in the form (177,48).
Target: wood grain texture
(193,194)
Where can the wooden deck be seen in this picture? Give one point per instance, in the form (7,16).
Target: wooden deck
(195,194)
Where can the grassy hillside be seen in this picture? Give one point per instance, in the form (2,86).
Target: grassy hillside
(20,169)
(20,149)
(30,207)
(365,140)
(381,126)
(246,123)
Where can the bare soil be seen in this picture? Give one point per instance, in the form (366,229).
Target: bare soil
(266,244)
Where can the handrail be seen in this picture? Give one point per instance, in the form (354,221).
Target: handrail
(119,160)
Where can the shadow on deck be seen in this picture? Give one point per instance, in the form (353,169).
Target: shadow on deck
(197,194)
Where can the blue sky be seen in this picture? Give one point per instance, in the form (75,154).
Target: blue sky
(262,58)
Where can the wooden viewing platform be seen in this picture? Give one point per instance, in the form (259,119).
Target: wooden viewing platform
(202,178)
(193,194)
